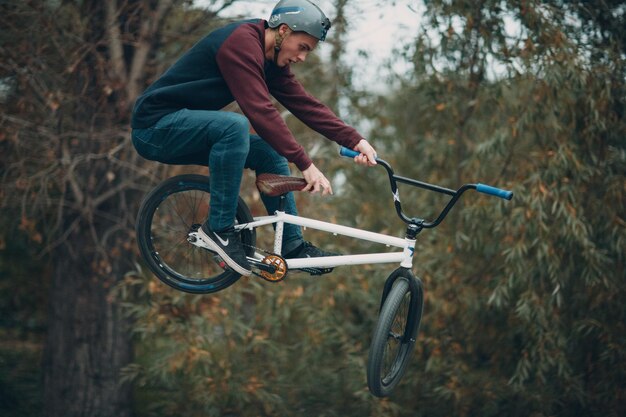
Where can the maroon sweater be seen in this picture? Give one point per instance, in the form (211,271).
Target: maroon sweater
(229,65)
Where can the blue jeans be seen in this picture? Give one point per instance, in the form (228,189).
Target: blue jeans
(222,141)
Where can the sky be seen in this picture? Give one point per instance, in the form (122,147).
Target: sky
(371,31)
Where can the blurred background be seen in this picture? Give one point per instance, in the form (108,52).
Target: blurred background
(524,309)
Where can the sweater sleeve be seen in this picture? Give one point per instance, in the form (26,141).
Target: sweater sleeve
(291,94)
(241,62)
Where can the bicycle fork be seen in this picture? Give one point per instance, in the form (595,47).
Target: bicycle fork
(415,284)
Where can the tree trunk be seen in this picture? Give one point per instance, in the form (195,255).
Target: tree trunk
(65,136)
(88,341)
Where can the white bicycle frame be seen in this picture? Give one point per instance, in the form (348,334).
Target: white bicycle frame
(280,218)
(414,226)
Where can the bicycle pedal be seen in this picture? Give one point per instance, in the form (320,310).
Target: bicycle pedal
(220,262)
(317,271)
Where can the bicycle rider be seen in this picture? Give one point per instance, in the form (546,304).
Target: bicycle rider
(177,120)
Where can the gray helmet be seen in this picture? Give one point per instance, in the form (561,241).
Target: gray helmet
(300,16)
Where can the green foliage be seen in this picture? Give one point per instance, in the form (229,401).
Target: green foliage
(290,349)
(523,311)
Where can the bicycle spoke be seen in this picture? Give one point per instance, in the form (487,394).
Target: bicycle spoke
(389,358)
(171,250)
(395,338)
(175,217)
(186,207)
(192,201)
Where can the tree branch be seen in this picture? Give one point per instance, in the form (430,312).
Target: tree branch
(114,36)
(147,32)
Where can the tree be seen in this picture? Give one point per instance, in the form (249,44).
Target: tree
(77,67)
(521,314)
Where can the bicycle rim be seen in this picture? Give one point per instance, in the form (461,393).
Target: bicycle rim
(392,343)
(166,217)
(396,347)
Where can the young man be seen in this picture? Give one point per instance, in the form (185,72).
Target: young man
(177,119)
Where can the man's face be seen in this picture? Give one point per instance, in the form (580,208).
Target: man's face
(295,48)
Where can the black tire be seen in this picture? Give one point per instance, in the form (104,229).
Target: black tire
(394,336)
(166,216)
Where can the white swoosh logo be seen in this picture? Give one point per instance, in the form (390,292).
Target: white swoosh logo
(222,241)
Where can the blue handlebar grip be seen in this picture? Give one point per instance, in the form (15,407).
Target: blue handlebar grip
(487,189)
(348,153)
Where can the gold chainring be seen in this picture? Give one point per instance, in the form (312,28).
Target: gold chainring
(278,263)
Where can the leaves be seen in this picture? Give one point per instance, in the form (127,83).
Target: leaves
(533,269)
(524,309)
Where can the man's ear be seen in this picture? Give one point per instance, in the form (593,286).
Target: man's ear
(283,29)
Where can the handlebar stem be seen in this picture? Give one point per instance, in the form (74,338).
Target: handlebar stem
(413,229)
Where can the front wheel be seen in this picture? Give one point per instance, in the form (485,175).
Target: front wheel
(394,335)
(167,215)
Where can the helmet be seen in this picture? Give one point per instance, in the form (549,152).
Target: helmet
(300,16)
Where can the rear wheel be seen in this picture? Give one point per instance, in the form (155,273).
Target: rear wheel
(394,337)
(167,215)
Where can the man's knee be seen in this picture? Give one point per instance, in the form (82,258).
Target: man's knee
(231,136)
(236,126)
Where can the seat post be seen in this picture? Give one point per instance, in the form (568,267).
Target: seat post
(279,226)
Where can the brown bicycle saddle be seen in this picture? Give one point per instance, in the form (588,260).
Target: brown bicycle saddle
(274,185)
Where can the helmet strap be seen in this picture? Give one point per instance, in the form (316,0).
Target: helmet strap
(278,41)
(276,51)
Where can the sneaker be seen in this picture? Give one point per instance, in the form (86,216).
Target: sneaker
(307,250)
(227,245)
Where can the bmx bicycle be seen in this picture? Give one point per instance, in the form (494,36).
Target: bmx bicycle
(167,235)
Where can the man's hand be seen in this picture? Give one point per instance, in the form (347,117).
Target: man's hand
(368,154)
(316,181)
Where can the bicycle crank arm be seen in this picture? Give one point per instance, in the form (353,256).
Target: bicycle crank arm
(271,269)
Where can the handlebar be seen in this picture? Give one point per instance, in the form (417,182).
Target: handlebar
(348,153)
(394,179)
(498,192)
